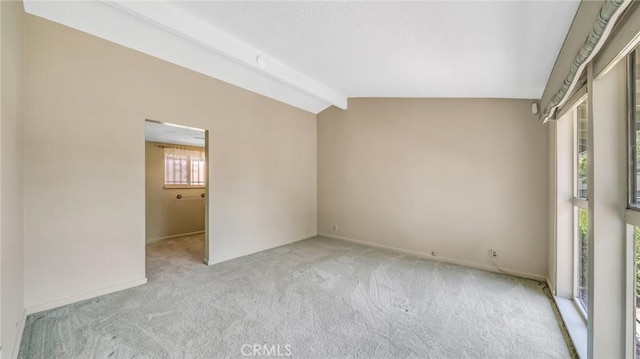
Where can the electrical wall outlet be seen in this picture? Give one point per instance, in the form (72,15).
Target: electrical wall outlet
(493,253)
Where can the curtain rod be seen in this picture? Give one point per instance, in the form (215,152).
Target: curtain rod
(194,148)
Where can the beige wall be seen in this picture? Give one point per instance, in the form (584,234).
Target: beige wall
(456,176)
(11,209)
(85,166)
(166,215)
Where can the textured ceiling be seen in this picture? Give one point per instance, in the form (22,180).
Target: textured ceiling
(177,135)
(502,49)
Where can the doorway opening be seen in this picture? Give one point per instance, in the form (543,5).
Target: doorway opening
(176,195)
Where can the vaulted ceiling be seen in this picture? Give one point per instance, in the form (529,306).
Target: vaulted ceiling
(316,54)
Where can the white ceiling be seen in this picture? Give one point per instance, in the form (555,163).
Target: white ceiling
(502,49)
(318,54)
(174,134)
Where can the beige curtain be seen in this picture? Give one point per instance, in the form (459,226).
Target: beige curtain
(178,153)
(606,17)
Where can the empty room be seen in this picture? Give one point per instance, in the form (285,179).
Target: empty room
(320,179)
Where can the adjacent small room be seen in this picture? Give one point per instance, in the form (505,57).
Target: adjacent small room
(175,192)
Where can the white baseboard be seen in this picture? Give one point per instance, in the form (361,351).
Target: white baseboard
(77,298)
(18,339)
(536,277)
(174,236)
(249,251)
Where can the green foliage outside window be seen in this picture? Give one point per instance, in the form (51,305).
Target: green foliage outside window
(583,227)
(583,223)
(582,167)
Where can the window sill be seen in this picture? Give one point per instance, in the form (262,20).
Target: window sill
(575,323)
(182,186)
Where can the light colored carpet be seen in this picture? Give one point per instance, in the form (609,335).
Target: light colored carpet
(317,298)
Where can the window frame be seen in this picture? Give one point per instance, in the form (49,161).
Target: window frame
(632,185)
(578,204)
(632,216)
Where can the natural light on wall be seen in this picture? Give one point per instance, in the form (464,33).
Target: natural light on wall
(636,292)
(634,193)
